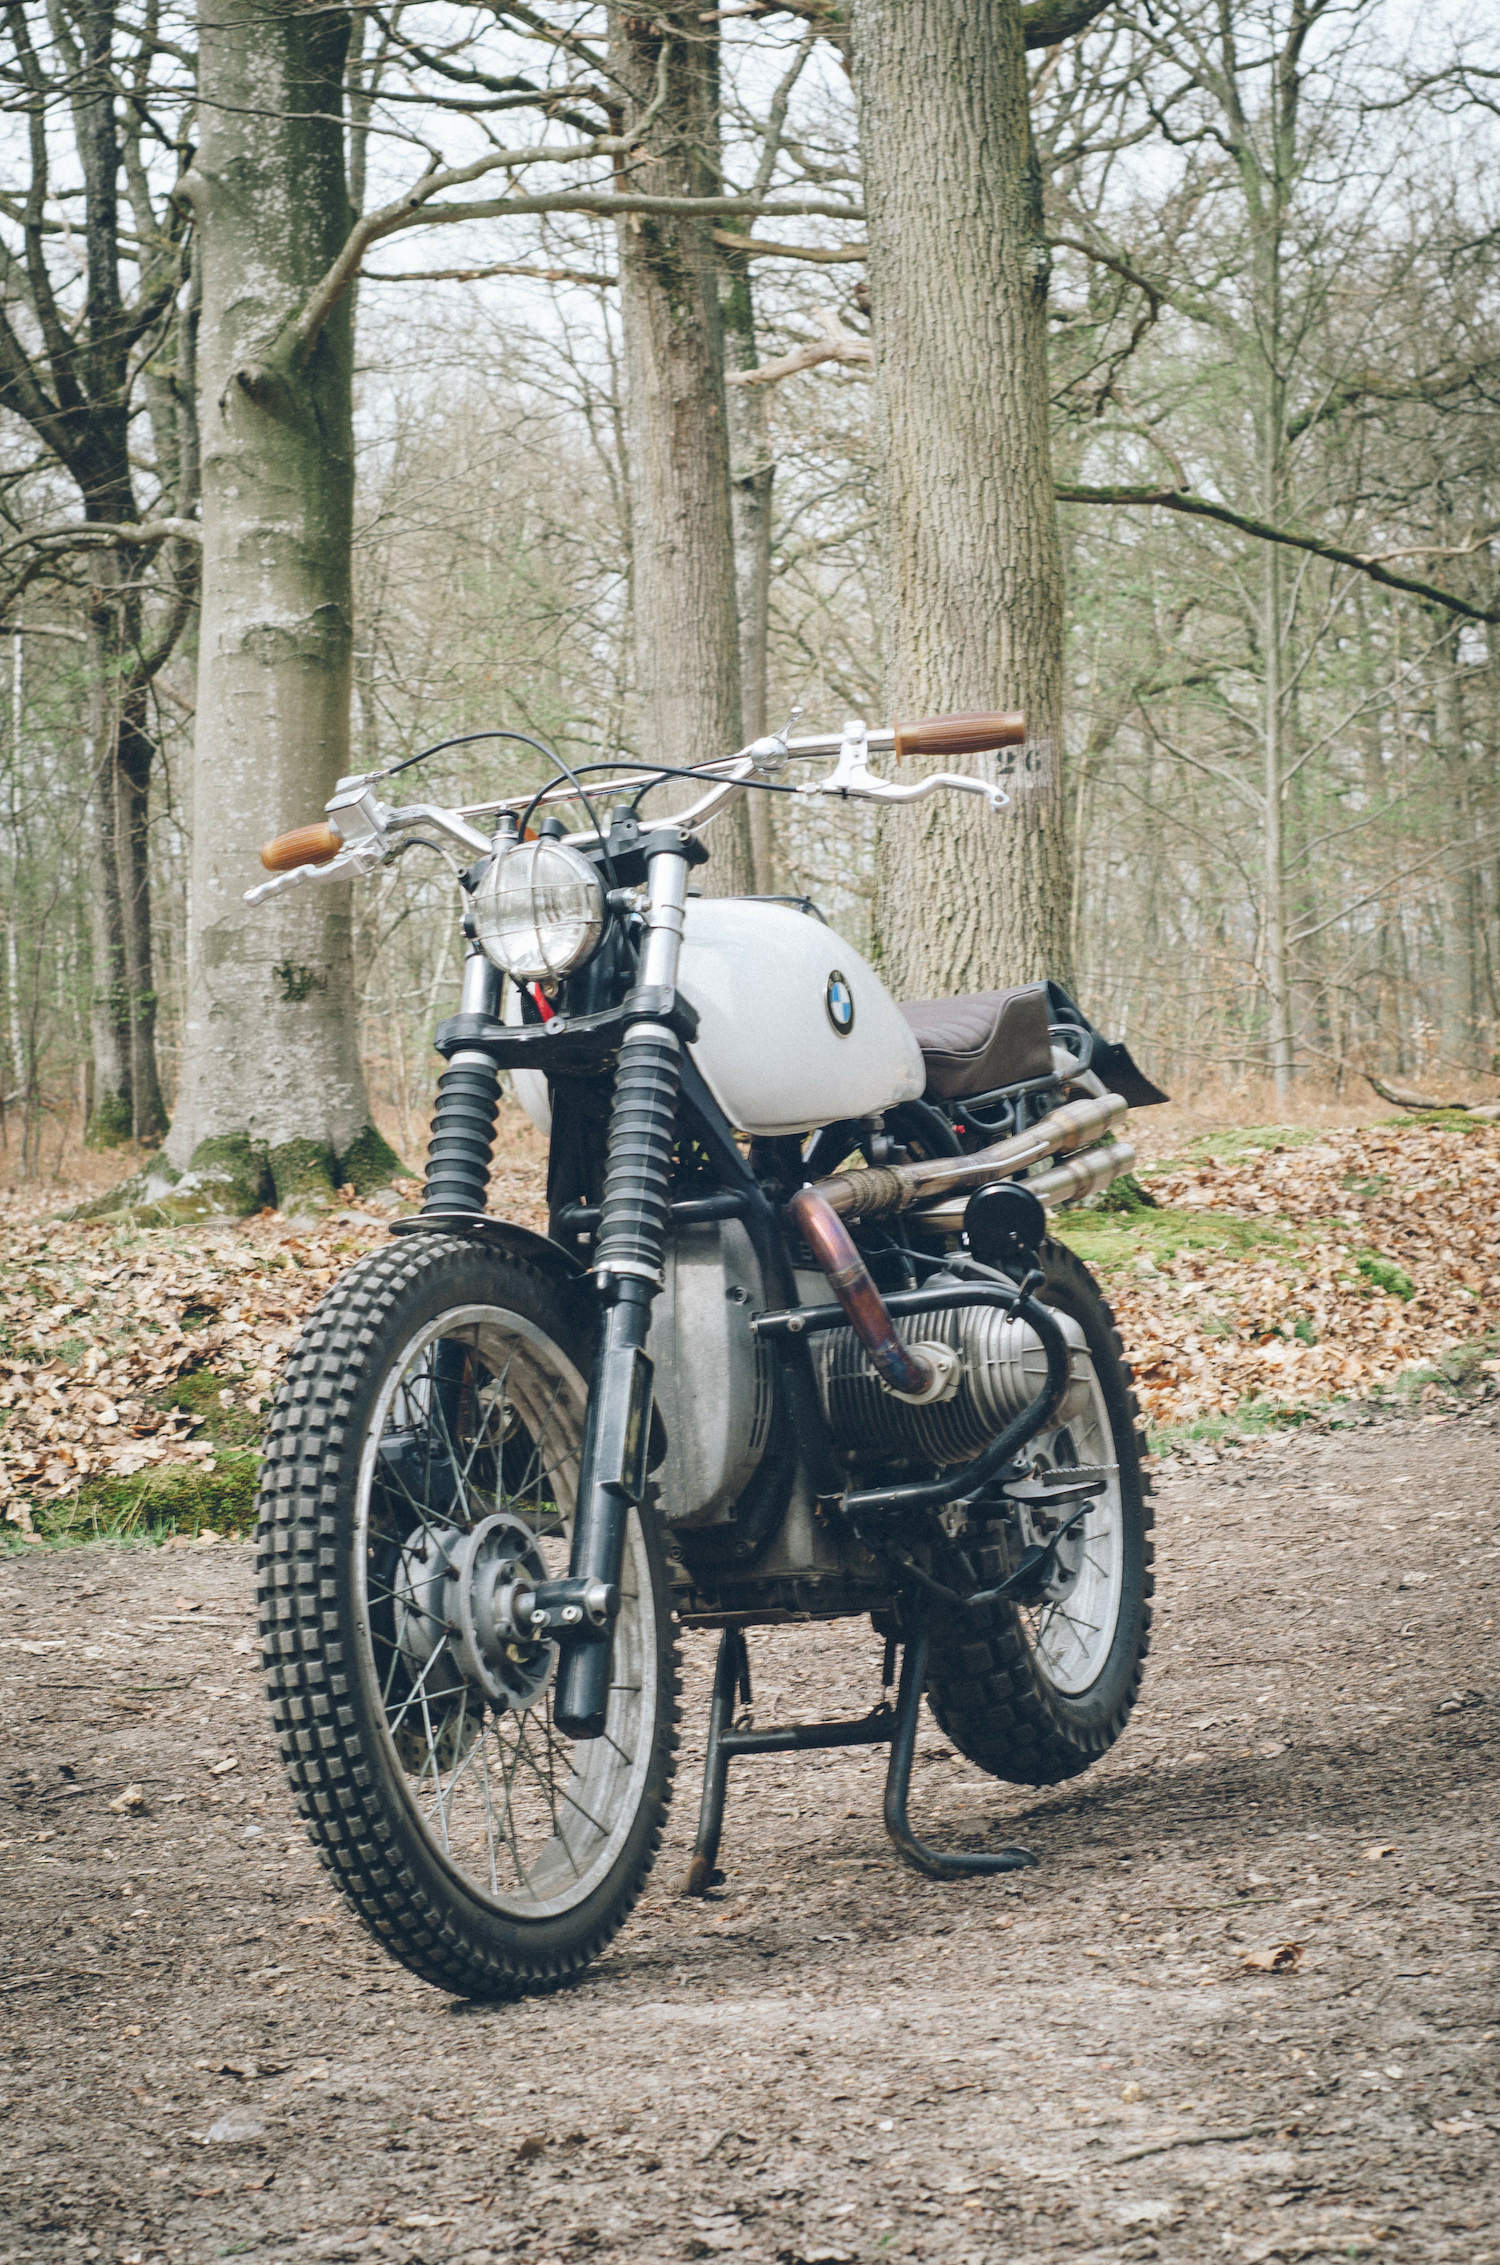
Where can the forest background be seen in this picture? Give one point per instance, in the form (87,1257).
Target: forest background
(1274,354)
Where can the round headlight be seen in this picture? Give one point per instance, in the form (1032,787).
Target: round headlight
(539,910)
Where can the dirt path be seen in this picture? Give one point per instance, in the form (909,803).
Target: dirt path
(836,2059)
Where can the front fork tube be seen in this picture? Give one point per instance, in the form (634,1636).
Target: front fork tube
(612,1481)
(628,1260)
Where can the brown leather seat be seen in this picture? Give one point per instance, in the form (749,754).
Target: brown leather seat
(982,1040)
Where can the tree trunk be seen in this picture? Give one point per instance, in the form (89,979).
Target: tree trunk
(135,752)
(1460,940)
(1275,960)
(958,282)
(109,1119)
(686,620)
(127,1102)
(752,474)
(272,1092)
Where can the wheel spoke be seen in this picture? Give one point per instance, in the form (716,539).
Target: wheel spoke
(480,1422)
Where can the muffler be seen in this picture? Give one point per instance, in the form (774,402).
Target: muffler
(1065,1183)
(898,1187)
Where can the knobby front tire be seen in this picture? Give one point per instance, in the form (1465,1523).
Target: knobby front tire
(439,1385)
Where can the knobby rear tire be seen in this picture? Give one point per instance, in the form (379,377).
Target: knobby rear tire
(988,1691)
(332,1720)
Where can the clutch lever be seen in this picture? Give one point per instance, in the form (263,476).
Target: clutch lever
(358,857)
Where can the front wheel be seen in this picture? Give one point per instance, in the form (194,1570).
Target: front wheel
(422,1466)
(1035,1693)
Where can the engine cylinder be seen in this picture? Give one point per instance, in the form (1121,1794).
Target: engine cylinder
(1002,1367)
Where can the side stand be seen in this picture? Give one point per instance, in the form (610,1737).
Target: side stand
(884,1725)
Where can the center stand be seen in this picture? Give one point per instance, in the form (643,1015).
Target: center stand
(885,1725)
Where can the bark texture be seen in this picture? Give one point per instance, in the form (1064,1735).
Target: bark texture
(958,282)
(270,1040)
(686,619)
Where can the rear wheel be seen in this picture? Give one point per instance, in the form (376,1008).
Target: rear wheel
(420,1473)
(1036,1693)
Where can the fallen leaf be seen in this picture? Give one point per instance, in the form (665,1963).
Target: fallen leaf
(235,2129)
(1276,1958)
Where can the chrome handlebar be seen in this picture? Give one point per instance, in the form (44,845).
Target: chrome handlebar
(370,828)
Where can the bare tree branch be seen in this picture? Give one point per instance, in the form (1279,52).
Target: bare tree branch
(836,345)
(1046,23)
(603,281)
(414,211)
(760,247)
(104,534)
(1201,507)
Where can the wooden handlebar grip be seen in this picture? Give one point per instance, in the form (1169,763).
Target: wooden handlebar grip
(961,735)
(304,845)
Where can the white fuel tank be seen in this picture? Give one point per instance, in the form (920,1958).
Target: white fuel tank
(795,1028)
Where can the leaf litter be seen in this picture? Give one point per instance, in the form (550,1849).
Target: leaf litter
(1390,1262)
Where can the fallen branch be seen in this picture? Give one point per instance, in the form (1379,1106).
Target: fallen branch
(1193,2139)
(1400,1100)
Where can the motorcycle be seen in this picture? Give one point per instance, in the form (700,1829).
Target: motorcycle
(796,1347)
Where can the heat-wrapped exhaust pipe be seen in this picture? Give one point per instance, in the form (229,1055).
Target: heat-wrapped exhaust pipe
(918,1373)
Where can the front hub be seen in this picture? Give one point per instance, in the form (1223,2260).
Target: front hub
(457,1621)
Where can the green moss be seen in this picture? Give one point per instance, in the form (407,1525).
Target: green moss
(227,1178)
(369,1162)
(1447,1120)
(142,1192)
(1241,1140)
(305,1175)
(1125,1194)
(1367,1184)
(1111,1240)
(1252,1419)
(1386,1275)
(109,1123)
(175,1498)
(1464,1366)
(197,1394)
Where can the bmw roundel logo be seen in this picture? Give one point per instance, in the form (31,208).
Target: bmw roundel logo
(839,1000)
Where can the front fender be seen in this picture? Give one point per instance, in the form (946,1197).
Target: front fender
(499,1234)
(506,1235)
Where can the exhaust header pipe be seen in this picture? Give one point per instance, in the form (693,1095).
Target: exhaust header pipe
(898,1187)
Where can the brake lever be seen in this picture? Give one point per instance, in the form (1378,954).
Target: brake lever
(852,775)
